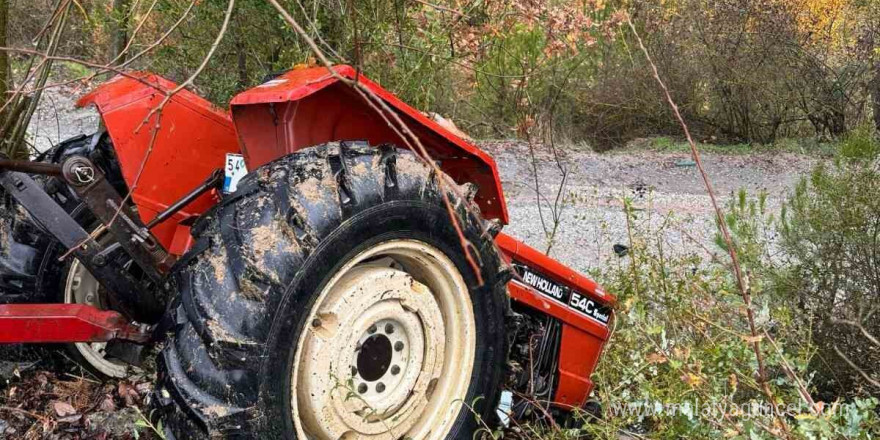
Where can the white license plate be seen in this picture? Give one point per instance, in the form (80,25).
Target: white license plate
(234,170)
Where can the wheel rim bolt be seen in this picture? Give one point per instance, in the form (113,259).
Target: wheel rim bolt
(389,328)
(362,388)
(398,346)
(372,329)
(395,370)
(354,371)
(380,387)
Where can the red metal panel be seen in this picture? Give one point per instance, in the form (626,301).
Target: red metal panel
(517,250)
(49,323)
(528,296)
(582,338)
(192,142)
(578,356)
(305,107)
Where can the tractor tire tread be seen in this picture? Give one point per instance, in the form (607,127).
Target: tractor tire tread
(248,250)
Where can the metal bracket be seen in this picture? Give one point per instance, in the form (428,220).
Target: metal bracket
(120,218)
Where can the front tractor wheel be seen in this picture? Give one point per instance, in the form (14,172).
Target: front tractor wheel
(329,298)
(80,287)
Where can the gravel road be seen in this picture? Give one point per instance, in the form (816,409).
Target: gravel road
(665,191)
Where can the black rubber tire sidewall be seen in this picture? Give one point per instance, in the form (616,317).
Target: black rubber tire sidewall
(393,220)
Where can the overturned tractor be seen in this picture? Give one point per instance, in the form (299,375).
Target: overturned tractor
(353,284)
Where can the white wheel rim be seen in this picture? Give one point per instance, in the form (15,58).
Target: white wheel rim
(388,349)
(82,288)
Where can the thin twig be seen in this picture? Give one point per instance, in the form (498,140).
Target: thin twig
(789,371)
(25,412)
(101,69)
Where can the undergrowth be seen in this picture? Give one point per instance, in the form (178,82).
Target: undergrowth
(680,363)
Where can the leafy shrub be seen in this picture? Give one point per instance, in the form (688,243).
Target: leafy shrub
(830,235)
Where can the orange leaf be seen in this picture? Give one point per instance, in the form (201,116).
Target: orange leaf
(656,358)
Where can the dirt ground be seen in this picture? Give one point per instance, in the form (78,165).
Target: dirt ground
(44,395)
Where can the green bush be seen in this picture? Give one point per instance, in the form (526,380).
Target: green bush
(830,236)
(861,144)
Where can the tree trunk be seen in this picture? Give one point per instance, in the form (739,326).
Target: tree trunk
(875,92)
(118,30)
(4,56)
(4,71)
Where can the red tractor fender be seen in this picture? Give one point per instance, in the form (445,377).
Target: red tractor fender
(310,106)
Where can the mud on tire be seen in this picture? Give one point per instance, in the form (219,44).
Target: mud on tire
(264,254)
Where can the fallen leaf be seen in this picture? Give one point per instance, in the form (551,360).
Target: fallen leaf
(127,393)
(63,409)
(691,379)
(144,387)
(656,358)
(107,404)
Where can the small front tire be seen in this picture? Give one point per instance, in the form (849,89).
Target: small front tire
(80,287)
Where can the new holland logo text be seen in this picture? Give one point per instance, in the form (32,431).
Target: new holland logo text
(578,302)
(544,285)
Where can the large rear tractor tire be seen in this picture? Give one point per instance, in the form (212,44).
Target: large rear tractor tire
(330,298)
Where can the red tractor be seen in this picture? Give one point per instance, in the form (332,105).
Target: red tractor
(346,287)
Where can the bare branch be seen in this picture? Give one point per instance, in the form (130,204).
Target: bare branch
(860,327)
(856,367)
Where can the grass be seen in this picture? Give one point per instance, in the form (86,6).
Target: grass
(663,144)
